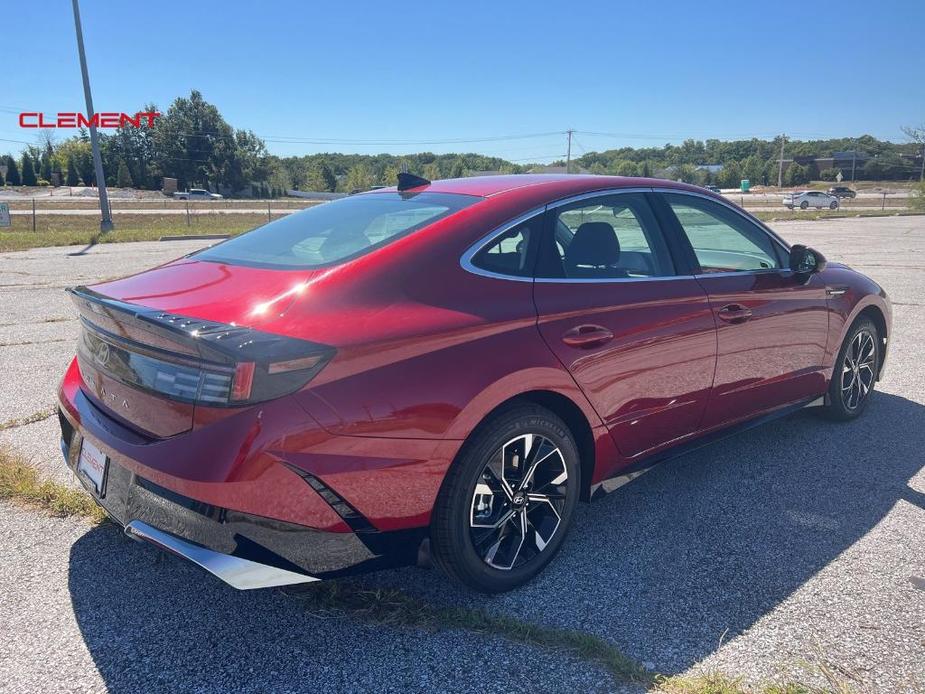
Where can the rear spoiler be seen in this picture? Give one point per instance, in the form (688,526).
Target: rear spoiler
(213,341)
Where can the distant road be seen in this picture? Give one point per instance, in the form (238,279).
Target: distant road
(93,211)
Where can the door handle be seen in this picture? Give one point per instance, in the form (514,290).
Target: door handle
(586,336)
(734,313)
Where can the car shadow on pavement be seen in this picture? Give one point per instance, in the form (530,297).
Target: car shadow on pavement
(667,567)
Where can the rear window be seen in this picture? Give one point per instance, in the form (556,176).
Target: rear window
(336,231)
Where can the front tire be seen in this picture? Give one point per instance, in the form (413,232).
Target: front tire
(804,205)
(508,501)
(833,205)
(855,372)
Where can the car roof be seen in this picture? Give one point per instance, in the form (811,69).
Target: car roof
(551,186)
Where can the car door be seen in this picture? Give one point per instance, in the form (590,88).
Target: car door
(635,332)
(772,323)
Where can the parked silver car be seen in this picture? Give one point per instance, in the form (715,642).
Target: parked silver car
(810,198)
(196,194)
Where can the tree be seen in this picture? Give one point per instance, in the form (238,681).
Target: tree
(358,178)
(917,135)
(432,171)
(321,179)
(885,168)
(77,150)
(624,167)
(389,176)
(829,174)
(136,148)
(754,169)
(12,172)
(28,171)
(123,177)
(796,174)
(685,173)
(730,176)
(72,179)
(2,182)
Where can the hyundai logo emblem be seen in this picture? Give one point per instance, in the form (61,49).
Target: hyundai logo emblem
(101,354)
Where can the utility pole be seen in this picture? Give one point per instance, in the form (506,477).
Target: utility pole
(854,160)
(568,156)
(106,214)
(780,165)
(922,172)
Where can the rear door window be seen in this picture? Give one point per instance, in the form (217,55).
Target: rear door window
(607,237)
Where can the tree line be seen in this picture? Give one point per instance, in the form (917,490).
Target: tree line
(194,144)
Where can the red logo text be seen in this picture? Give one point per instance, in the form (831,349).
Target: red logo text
(79,120)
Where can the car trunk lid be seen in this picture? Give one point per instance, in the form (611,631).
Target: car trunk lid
(155,346)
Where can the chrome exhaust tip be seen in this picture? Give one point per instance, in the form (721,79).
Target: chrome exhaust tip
(242,574)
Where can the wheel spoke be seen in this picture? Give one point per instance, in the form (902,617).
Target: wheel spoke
(516,505)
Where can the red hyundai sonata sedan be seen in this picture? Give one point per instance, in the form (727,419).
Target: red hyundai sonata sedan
(444,370)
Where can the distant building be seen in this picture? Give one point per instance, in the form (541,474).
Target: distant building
(845,160)
(709,168)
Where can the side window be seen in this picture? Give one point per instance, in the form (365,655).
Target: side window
(510,253)
(723,241)
(610,237)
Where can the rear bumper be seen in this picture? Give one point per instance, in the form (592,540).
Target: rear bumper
(246,550)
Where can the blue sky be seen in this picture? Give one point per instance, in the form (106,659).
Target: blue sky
(645,72)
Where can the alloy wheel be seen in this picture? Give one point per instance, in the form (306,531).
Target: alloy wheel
(857,377)
(518,502)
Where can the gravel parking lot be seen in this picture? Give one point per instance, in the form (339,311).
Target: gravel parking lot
(799,541)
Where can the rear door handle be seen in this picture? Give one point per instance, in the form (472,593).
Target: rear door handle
(586,336)
(735,313)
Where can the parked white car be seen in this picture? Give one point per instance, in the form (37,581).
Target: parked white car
(810,198)
(196,194)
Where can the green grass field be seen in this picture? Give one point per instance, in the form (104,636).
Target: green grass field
(71,230)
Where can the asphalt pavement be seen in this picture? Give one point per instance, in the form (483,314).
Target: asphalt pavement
(801,540)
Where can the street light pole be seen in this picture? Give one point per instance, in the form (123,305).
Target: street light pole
(568,156)
(106,214)
(780,164)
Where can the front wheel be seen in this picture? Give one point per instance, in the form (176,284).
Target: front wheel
(855,372)
(508,500)
(804,205)
(833,205)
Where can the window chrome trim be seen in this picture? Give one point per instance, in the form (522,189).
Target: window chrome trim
(466,260)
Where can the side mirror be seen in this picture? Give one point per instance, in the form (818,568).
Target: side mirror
(805,260)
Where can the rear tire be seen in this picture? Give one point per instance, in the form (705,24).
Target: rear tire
(855,372)
(508,500)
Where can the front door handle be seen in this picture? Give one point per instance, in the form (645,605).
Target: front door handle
(586,336)
(734,313)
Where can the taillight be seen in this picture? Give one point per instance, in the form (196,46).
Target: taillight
(243,381)
(236,366)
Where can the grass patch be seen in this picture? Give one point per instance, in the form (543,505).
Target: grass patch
(812,215)
(28,419)
(22,483)
(391,607)
(719,683)
(73,230)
